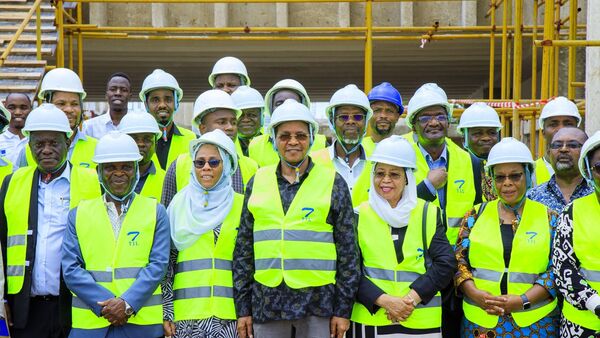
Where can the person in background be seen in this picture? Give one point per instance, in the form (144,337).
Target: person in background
(250,123)
(118,94)
(387,107)
(12,141)
(228,74)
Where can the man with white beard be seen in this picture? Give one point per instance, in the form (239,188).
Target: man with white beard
(566,184)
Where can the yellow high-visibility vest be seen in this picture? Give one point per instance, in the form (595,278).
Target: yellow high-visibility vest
(586,211)
(116,263)
(154,184)
(542,175)
(368,145)
(83,185)
(486,255)
(295,247)
(184,164)
(6,168)
(180,144)
(261,149)
(81,156)
(203,284)
(381,266)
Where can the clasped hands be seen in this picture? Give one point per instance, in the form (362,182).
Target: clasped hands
(113,310)
(398,309)
(493,305)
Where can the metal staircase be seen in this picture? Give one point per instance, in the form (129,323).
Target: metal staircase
(22,71)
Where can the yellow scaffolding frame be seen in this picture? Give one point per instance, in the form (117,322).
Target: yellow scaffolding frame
(70,24)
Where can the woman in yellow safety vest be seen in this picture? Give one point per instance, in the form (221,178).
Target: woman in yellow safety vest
(503,253)
(204,216)
(575,252)
(406,257)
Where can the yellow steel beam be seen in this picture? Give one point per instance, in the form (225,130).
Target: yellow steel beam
(38,33)
(517,64)
(19,31)
(547,52)
(492,51)
(567,43)
(504,50)
(368,46)
(575,84)
(248,1)
(572,50)
(80,43)
(60,46)
(534,56)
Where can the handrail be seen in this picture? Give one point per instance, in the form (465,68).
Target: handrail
(19,31)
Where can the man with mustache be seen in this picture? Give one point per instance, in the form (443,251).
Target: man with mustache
(161,95)
(12,140)
(386,104)
(566,184)
(118,93)
(447,176)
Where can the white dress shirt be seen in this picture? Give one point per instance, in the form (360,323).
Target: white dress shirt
(99,126)
(350,174)
(53,209)
(11,145)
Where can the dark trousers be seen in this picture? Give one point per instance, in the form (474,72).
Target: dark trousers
(452,313)
(43,321)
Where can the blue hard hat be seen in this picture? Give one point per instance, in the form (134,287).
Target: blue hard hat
(386,92)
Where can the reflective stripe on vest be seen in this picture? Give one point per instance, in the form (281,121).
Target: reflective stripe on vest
(261,149)
(115,264)
(154,184)
(184,164)
(532,240)
(203,284)
(296,247)
(542,174)
(380,265)
(83,185)
(81,156)
(586,211)
(460,187)
(360,190)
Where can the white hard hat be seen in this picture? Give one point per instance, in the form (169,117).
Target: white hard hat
(246,97)
(286,84)
(218,138)
(213,99)
(291,110)
(428,95)
(350,95)
(160,79)
(395,150)
(591,144)
(47,117)
(229,65)
(479,114)
(560,106)
(509,150)
(116,147)
(135,122)
(61,80)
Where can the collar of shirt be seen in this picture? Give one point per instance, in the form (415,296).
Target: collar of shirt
(175,130)
(78,136)
(9,135)
(65,175)
(280,177)
(582,189)
(441,161)
(106,119)
(151,170)
(333,154)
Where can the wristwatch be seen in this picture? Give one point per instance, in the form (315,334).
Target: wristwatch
(128,309)
(597,311)
(526,303)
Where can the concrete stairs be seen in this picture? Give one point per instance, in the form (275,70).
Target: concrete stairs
(22,72)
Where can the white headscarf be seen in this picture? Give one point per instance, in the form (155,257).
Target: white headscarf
(399,216)
(196,210)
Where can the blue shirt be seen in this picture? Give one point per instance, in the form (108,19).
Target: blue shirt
(53,207)
(441,162)
(549,194)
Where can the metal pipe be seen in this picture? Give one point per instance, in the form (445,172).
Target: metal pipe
(534,51)
(60,46)
(504,50)
(80,43)
(19,31)
(70,44)
(577,84)
(247,1)
(492,51)
(572,49)
(38,33)
(368,46)
(532,135)
(566,43)
(547,52)
(555,68)
(517,51)
(126,36)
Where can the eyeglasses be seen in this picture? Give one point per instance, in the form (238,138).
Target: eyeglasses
(428,118)
(569,144)
(355,117)
(512,177)
(301,137)
(213,163)
(596,168)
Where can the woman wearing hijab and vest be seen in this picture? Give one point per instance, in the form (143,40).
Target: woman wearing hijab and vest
(503,253)
(205,216)
(406,257)
(575,253)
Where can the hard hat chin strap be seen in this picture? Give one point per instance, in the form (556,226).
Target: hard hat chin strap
(589,178)
(297,166)
(518,206)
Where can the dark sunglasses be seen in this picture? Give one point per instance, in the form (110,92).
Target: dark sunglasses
(426,118)
(513,177)
(355,117)
(570,145)
(287,137)
(213,163)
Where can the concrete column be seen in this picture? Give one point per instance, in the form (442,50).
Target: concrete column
(406,14)
(344,14)
(98,14)
(468,13)
(592,70)
(281,14)
(159,15)
(221,15)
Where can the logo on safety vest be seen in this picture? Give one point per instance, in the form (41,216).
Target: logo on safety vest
(531,235)
(421,252)
(133,240)
(459,186)
(308,211)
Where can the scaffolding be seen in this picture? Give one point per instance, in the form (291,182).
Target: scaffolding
(511,35)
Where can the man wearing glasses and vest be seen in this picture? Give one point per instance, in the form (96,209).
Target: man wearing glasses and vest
(34,204)
(446,175)
(116,251)
(295,262)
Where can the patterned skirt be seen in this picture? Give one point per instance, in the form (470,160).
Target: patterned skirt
(206,328)
(546,327)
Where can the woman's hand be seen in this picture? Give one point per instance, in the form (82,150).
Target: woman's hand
(169,328)
(396,308)
(493,305)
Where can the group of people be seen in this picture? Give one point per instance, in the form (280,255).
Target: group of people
(254,224)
